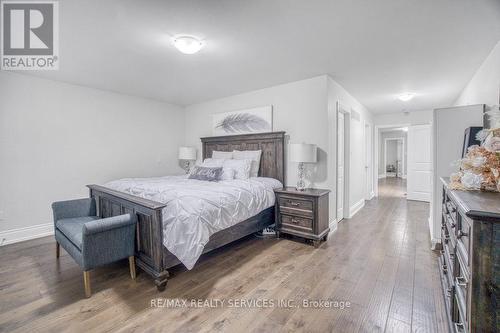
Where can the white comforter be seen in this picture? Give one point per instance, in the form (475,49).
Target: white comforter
(197,209)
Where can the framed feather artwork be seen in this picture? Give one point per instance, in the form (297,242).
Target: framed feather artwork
(256,120)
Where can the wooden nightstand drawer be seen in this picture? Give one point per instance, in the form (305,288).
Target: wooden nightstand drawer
(302,213)
(296,222)
(287,202)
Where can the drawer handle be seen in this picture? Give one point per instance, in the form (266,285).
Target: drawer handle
(294,220)
(461,234)
(453,225)
(449,291)
(293,203)
(461,281)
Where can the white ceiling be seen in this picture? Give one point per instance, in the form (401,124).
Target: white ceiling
(375,49)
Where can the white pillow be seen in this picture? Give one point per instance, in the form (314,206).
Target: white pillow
(241,168)
(253,155)
(227,174)
(222,154)
(213,162)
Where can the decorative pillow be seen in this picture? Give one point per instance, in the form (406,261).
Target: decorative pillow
(213,162)
(253,155)
(222,154)
(241,168)
(205,173)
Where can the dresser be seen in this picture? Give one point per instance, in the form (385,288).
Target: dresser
(303,213)
(469,263)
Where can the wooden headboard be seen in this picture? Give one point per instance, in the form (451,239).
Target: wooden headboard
(272,161)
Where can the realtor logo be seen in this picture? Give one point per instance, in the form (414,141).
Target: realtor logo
(29,35)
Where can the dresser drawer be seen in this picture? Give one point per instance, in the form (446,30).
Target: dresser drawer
(449,261)
(296,222)
(452,210)
(459,316)
(446,282)
(296,204)
(463,237)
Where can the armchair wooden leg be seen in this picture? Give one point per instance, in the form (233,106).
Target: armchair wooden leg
(58,250)
(131,262)
(86,282)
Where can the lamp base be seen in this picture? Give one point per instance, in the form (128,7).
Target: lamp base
(301,184)
(187,166)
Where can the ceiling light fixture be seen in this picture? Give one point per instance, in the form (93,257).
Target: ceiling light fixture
(406,96)
(187,44)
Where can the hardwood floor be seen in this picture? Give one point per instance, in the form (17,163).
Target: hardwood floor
(380,261)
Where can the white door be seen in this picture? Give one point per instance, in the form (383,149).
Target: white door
(340,166)
(368,161)
(419,163)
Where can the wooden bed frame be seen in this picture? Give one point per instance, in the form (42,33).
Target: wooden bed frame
(151,255)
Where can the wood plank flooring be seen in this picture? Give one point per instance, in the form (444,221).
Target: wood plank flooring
(380,261)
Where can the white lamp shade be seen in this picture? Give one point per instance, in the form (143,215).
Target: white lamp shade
(187,153)
(303,152)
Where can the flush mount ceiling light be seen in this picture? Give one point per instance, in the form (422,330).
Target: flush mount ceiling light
(187,44)
(405,97)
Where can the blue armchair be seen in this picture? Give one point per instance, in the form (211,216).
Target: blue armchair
(90,240)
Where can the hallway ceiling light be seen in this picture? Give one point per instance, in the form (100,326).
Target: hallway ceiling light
(405,97)
(187,44)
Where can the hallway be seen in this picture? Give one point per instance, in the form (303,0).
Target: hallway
(392,187)
(380,261)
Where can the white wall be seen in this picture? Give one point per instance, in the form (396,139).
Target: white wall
(306,111)
(357,181)
(484,87)
(402,118)
(55,138)
(386,135)
(299,108)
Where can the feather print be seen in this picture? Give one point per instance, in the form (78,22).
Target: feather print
(243,122)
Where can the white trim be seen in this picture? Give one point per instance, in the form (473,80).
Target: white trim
(368,149)
(356,207)
(381,176)
(376,148)
(22,234)
(341,108)
(333,226)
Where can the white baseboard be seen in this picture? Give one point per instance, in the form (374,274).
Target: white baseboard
(434,241)
(371,195)
(403,176)
(381,176)
(356,207)
(26,233)
(333,225)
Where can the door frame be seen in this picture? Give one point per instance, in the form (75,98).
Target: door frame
(378,129)
(403,175)
(341,108)
(368,134)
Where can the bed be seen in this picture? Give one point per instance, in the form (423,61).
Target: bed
(152,256)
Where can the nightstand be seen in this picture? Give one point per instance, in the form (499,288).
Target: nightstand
(302,213)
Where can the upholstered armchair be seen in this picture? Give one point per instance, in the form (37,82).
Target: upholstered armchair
(90,240)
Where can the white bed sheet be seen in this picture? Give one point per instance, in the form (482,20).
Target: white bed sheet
(197,209)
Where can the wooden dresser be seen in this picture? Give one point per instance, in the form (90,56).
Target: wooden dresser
(303,213)
(470,259)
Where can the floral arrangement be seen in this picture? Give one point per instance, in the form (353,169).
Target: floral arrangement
(480,169)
